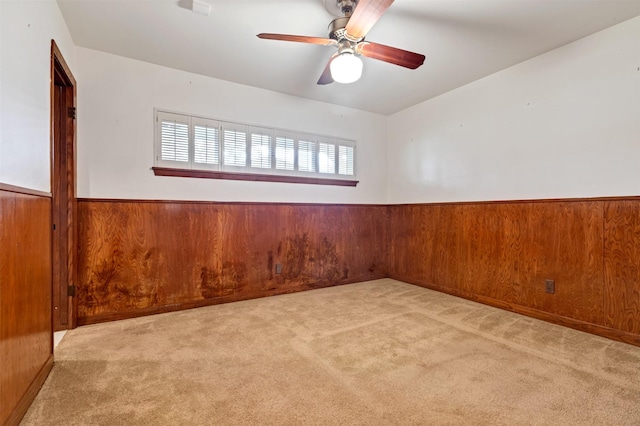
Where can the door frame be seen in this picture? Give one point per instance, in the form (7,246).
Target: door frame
(64,202)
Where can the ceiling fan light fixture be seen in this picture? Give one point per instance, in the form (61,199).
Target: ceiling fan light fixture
(348,33)
(346,68)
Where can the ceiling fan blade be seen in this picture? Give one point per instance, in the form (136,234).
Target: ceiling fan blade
(326,77)
(299,39)
(393,55)
(365,16)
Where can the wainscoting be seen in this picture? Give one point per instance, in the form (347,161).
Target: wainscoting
(622,266)
(501,253)
(26,345)
(141,257)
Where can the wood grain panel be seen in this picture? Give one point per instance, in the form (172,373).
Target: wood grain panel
(143,257)
(491,240)
(425,243)
(622,265)
(563,241)
(25,299)
(504,252)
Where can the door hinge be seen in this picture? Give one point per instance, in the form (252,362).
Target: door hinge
(71,291)
(72,112)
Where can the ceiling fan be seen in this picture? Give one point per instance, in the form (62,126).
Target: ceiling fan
(347,33)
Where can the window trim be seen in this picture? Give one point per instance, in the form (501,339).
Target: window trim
(255,177)
(247,172)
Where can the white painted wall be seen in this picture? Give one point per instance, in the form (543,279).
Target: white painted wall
(115,133)
(563,124)
(26,30)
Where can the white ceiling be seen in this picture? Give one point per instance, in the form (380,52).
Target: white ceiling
(463,40)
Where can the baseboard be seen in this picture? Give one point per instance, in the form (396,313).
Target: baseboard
(152,310)
(587,327)
(599,330)
(25,402)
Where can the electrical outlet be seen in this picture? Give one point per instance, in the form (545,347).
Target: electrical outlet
(278,268)
(549,286)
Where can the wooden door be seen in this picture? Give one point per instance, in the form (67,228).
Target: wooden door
(63,167)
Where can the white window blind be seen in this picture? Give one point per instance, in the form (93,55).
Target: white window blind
(174,138)
(306,156)
(206,142)
(345,160)
(190,142)
(234,146)
(327,158)
(285,153)
(261,148)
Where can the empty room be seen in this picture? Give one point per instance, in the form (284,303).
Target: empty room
(351,212)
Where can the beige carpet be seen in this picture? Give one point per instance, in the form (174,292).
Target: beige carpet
(381,352)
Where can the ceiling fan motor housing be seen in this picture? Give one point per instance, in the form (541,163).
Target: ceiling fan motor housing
(346,6)
(336,28)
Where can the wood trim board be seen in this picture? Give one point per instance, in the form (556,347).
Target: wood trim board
(22,190)
(254,177)
(608,332)
(63,188)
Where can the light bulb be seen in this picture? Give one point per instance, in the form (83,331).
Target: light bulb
(346,68)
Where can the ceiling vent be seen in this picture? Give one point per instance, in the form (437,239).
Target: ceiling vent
(201,7)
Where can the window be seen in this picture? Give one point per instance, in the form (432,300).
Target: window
(234,149)
(186,142)
(306,156)
(285,154)
(261,148)
(327,158)
(206,143)
(345,155)
(174,140)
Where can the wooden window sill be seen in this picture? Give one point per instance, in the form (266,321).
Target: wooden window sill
(207,174)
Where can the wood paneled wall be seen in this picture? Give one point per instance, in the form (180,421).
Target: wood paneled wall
(141,257)
(622,266)
(501,254)
(26,347)
(138,257)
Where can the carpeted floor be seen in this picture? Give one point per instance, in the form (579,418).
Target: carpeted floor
(380,352)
